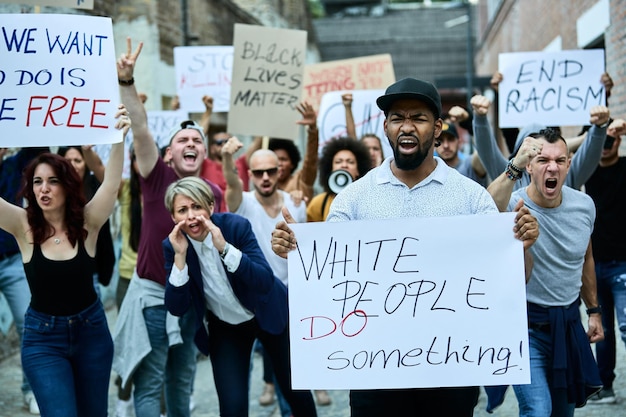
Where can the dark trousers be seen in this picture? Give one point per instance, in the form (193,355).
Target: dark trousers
(422,402)
(230,348)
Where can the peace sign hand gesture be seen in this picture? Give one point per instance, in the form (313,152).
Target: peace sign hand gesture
(126,62)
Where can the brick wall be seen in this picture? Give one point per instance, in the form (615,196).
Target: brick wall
(530,25)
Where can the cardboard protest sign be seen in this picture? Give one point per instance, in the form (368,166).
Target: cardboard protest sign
(372,72)
(58,81)
(380,304)
(368,118)
(551,88)
(200,71)
(267,81)
(76,4)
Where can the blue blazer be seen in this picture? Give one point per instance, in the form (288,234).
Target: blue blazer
(253,283)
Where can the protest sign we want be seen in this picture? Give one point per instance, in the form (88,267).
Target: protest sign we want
(58,82)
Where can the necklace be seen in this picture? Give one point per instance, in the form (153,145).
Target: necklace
(57,241)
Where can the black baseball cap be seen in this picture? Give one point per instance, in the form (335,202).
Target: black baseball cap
(414,89)
(448,128)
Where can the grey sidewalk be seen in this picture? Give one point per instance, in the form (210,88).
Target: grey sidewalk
(11,403)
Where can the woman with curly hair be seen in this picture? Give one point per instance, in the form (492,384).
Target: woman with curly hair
(344,153)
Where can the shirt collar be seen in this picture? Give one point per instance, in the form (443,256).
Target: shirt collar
(206,243)
(385,175)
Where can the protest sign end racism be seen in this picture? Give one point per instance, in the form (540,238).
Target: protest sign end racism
(561,85)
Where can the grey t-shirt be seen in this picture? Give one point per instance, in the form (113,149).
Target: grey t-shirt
(559,252)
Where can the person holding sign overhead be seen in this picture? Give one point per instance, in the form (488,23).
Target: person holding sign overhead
(583,164)
(412,183)
(150,345)
(67,348)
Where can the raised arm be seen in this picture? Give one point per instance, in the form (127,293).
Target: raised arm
(346,100)
(586,159)
(309,165)
(502,186)
(486,143)
(100,207)
(145,149)
(14,221)
(234,185)
(205,121)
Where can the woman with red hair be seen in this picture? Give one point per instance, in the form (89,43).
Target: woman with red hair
(67,348)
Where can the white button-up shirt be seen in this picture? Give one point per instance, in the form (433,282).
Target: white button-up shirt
(218,294)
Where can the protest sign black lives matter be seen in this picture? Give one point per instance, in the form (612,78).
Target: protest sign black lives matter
(267,81)
(551,88)
(408,303)
(58,80)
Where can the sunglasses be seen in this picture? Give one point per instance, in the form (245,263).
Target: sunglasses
(258,173)
(220,142)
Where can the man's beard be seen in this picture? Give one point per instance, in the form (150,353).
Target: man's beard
(266,193)
(413,161)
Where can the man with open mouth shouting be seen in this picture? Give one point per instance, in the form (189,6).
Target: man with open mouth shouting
(564,373)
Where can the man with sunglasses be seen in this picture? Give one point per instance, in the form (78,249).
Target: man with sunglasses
(607,188)
(262,205)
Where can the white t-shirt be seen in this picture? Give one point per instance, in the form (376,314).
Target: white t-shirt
(263,225)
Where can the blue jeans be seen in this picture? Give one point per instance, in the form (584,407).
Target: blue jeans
(611,283)
(230,351)
(15,288)
(174,366)
(68,361)
(538,399)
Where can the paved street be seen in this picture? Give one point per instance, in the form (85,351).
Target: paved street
(11,403)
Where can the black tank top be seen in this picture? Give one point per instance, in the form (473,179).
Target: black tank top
(61,288)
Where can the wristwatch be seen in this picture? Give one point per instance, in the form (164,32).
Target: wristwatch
(594,310)
(225,251)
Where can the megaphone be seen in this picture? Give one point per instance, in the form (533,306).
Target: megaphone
(338,180)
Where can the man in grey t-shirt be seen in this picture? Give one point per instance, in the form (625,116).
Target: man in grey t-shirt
(563,370)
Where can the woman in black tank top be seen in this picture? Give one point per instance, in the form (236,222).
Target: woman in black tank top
(67,350)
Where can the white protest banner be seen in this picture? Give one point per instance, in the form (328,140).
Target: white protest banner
(368,118)
(267,81)
(373,72)
(387,304)
(58,81)
(550,88)
(76,4)
(200,71)
(160,124)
